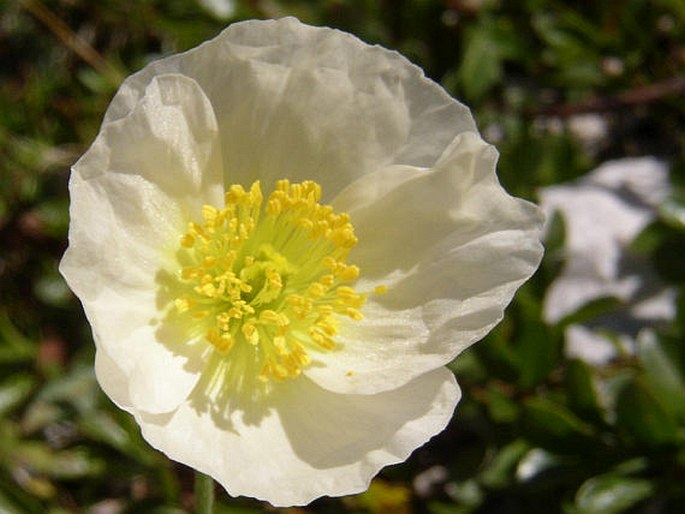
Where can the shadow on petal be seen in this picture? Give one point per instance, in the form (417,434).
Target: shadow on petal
(331,430)
(227,384)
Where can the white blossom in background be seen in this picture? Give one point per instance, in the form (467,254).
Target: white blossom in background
(603,212)
(590,129)
(220,9)
(280,238)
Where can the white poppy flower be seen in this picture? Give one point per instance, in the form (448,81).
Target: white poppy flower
(603,213)
(280,238)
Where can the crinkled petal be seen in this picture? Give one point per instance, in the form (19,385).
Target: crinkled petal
(451,246)
(300,102)
(312,442)
(145,176)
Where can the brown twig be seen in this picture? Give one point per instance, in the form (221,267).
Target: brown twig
(72,41)
(638,96)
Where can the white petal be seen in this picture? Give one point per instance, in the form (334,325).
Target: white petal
(305,102)
(451,245)
(112,380)
(312,442)
(132,194)
(146,388)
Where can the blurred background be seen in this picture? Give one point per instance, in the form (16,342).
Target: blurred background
(575,404)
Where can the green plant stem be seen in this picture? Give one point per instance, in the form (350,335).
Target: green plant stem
(204,494)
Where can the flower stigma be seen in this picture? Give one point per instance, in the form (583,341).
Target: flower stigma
(267,281)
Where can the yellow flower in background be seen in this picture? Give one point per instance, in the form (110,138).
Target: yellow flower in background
(280,238)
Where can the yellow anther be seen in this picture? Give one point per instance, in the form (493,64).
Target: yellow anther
(327,327)
(226,261)
(324,310)
(279,371)
(329,262)
(327,281)
(382,289)
(274,318)
(209,213)
(344,238)
(187,241)
(183,304)
(305,223)
(225,342)
(349,273)
(345,292)
(235,313)
(280,345)
(223,321)
(353,313)
(256,193)
(300,305)
(207,289)
(194,229)
(323,341)
(275,280)
(316,290)
(303,358)
(235,194)
(274,207)
(221,341)
(250,332)
(349,296)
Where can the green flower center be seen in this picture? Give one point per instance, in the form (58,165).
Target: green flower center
(268,280)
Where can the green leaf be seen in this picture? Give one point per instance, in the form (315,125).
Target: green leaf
(7,506)
(539,349)
(582,391)
(14,347)
(661,360)
(552,426)
(14,391)
(500,471)
(612,386)
(649,239)
(576,62)
(554,258)
(642,415)
(488,44)
(449,508)
(51,288)
(481,67)
(591,310)
(78,388)
(498,355)
(672,212)
(121,434)
(609,494)
(54,213)
(65,464)
(501,407)
(668,258)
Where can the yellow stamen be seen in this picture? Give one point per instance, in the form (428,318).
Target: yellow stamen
(267,279)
